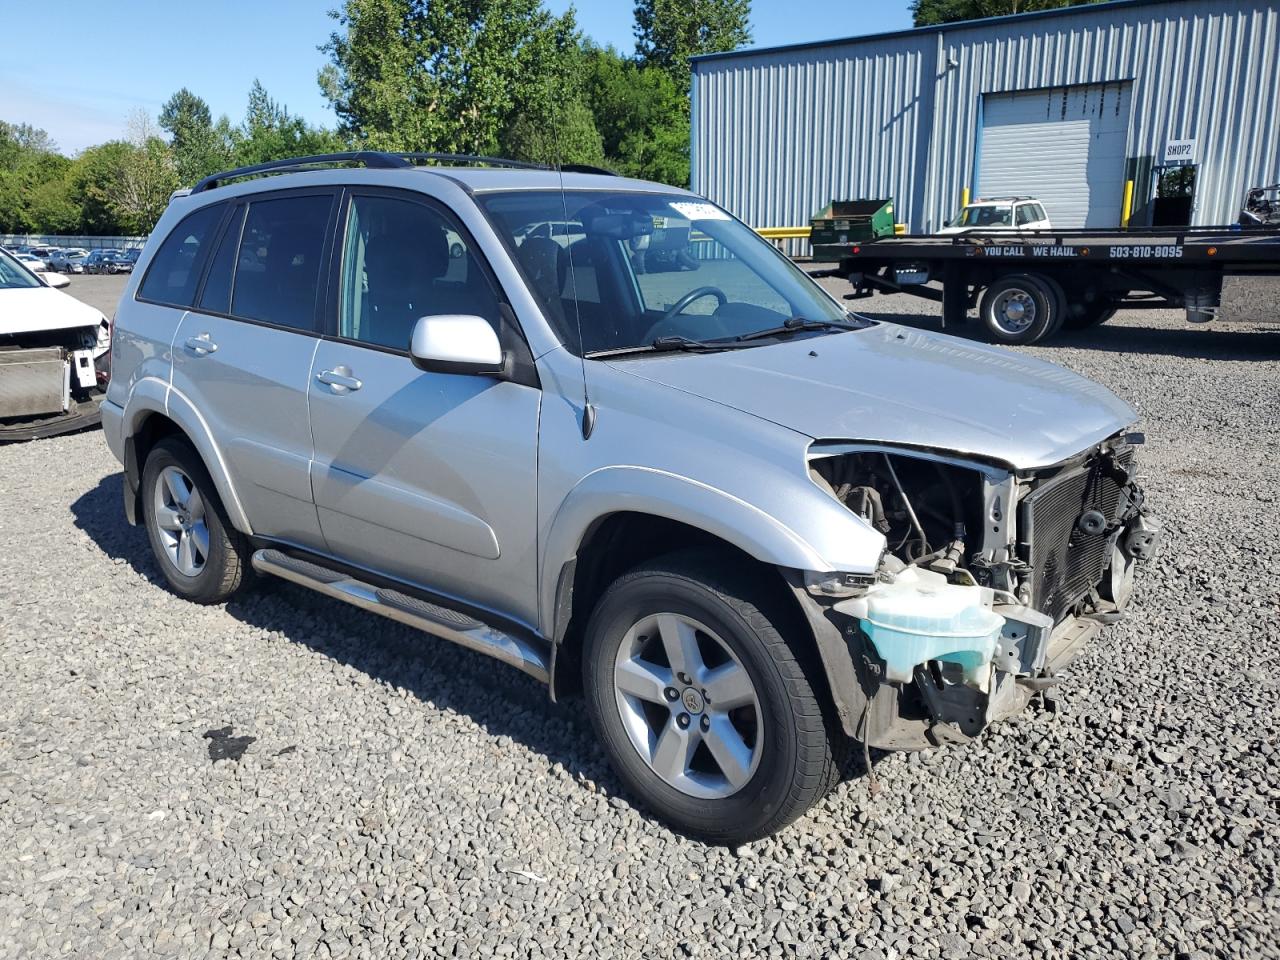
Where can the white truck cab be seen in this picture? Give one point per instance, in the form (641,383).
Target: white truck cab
(1000,215)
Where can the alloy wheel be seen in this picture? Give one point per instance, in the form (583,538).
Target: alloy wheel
(688,705)
(180,520)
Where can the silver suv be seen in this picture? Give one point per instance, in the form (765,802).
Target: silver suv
(486,401)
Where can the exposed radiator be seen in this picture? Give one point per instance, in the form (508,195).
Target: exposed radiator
(1066,562)
(33,382)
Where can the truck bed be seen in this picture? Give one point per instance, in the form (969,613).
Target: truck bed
(1238,249)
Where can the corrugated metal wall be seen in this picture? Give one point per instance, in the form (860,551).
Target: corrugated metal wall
(776,134)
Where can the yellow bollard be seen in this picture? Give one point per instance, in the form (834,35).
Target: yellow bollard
(1127,207)
(964,198)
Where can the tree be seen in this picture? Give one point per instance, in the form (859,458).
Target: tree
(669,32)
(199,147)
(446,75)
(927,13)
(90,180)
(33,194)
(270,132)
(641,114)
(137,189)
(566,135)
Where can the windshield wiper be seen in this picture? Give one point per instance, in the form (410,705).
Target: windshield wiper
(668,345)
(798,324)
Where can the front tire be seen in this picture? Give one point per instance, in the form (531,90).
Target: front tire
(203,558)
(705,710)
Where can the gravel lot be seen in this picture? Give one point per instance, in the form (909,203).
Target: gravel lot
(398,796)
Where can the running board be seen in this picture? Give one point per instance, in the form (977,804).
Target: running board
(431,618)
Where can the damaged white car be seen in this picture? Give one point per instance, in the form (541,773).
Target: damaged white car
(753,529)
(53,356)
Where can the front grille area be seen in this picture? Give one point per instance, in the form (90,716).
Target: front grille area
(1065,561)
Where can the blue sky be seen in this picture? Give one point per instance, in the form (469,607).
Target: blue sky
(78,71)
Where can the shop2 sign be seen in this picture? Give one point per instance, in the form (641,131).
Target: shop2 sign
(1179,152)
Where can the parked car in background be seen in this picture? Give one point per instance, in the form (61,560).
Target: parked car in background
(1000,215)
(69,260)
(108,261)
(31,261)
(53,352)
(120,262)
(752,527)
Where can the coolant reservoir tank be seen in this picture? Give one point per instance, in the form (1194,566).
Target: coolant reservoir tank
(921,617)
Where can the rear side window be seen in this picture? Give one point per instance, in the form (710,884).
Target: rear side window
(175,269)
(277,272)
(1026,214)
(216,296)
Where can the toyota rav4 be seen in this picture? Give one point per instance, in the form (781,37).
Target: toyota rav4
(750,528)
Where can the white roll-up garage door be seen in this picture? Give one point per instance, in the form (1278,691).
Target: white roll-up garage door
(1064,146)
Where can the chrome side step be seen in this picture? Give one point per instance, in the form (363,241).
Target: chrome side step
(521,653)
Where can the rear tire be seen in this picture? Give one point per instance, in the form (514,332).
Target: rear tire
(202,556)
(1019,310)
(705,710)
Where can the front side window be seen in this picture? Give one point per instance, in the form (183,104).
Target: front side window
(277,272)
(403,260)
(175,269)
(629,268)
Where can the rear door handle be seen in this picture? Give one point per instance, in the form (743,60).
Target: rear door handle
(201,345)
(339,380)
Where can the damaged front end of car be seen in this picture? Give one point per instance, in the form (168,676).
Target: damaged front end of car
(992,580)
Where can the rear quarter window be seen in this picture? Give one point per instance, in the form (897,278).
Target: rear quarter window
(175,269)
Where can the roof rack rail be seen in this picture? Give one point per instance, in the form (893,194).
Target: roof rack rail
(472,158)
(378,160)
(504,162)
(370,158)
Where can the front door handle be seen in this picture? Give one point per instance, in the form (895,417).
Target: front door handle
(201,345)
(339,380)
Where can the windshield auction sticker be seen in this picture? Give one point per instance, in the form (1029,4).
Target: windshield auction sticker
(698,211)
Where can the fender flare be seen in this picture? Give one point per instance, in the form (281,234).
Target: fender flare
(153,396)
(646,490)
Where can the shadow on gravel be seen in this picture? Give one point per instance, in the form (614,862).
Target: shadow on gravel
(499,699)
(1220,341)
(100,514)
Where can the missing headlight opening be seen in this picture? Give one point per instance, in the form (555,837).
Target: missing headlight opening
(923,507)
(991,579)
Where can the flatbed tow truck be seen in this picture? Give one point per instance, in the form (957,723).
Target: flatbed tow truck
(1029,285)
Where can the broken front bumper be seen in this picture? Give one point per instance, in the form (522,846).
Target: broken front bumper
(930,679)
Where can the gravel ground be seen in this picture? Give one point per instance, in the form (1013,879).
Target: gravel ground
(381,793)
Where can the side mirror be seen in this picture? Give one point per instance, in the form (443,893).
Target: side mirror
(456,343)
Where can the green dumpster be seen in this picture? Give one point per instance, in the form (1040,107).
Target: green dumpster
(852,221)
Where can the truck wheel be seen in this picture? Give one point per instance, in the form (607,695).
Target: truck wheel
(704,709)
(1018,310)
(201,555)
(1082,316)
(1060,308)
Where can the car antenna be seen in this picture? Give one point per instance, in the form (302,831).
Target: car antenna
(588,411)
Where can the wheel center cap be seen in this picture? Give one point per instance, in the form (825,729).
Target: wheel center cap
(692,700)
(1016,311)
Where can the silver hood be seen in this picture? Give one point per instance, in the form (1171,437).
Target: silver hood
(893,384)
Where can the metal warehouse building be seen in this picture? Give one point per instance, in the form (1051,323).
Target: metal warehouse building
(1179,97)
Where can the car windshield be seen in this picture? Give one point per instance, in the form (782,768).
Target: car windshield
(14,276)
(633,268)
(988,215)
